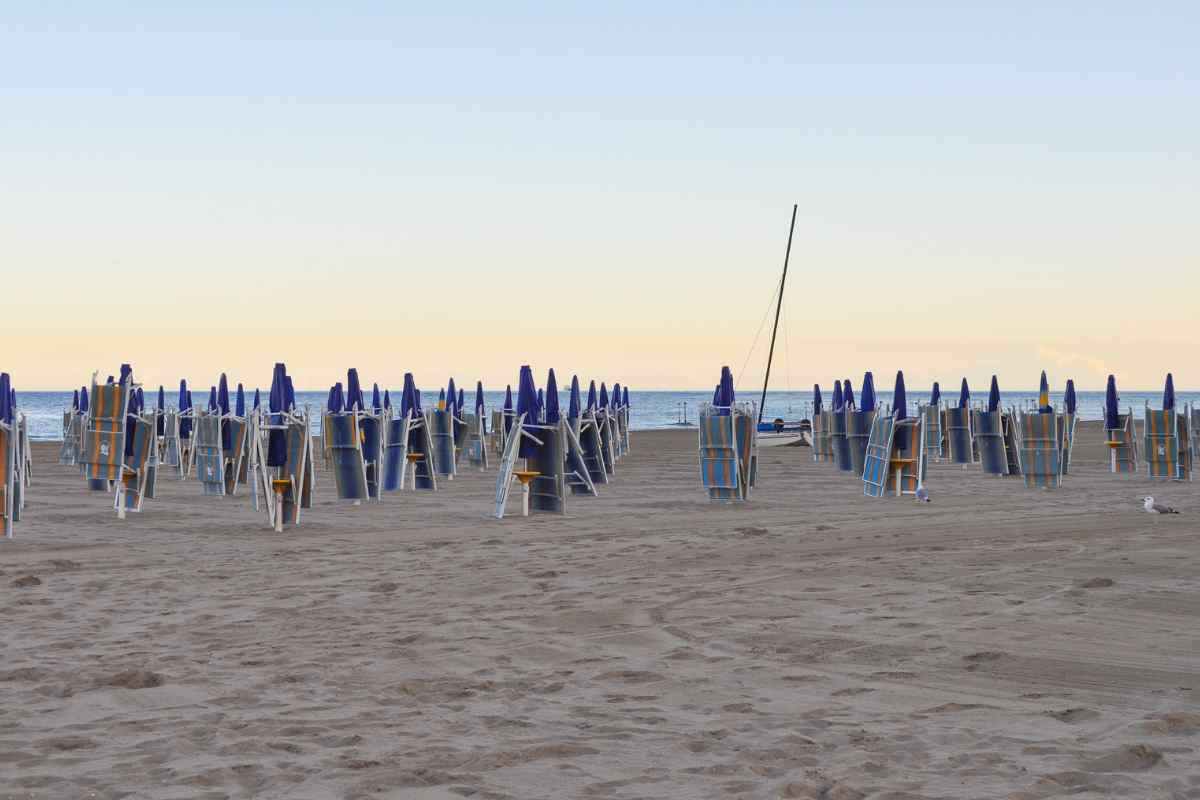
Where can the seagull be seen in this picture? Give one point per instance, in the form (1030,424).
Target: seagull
(922,495)
(1157,508)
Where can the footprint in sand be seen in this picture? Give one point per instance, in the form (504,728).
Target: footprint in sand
(1177,723)
(133,679)
(1073,715)
(27,581)
(1131,758)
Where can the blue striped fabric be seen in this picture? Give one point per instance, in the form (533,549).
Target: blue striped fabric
(346,456)
(989,436)
(209,455)
(878,454)
(959,437)
(1041,464)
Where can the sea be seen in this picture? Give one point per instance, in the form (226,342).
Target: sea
(648,410)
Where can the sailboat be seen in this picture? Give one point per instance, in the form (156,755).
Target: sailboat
(778,431)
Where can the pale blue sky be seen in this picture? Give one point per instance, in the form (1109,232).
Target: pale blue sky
(636,162)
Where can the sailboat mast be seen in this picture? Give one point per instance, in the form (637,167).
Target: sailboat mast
(778,307)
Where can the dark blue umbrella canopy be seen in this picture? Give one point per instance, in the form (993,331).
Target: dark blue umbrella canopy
(716,394)
(387,399)
(162,398)
(994,396)
(462,401)
(213,404)
(603,395)
(354,396)
(409,406)
(591,400)
(552,415)
(573,406)
(1044,406)
(479,404)
(727,386)
(847,395)
(239,405)
(111,379)
(625,396)
(289,393)
(223,394)
(1169,393)
(257,399)
(126,373)
(616,395)
(508,407)
(1069,400)
(277,399)
(527,395)
(337,399)
(83,399)
(182,403)
(964,395)
(452,397)
(139,397)
(376,398)
(816,399)
(899,398)
(866,398)
(838,401)
(1112,413)
(418,394)
(329,400)
(541,403)
(75,400)
(935,397)
(6,409)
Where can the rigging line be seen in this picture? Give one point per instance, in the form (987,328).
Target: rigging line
(775,329)
(787,349)
(761,323)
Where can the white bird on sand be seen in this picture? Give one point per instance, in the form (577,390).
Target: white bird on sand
(922,495)
(1157,508)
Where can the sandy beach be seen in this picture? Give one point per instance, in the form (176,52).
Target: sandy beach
(996,643)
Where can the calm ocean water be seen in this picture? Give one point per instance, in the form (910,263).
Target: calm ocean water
(649,410)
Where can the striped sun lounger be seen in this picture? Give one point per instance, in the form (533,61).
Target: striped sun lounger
(72,444)
(135,478)
(1161,441)
(578,475)
(822,433)
(841,445)
(746,429)
(235,455)
(1040,450)
(297,469)
(877,457)
(989,435)
(349,468)
(719,469)
(170,440)
(858,433)
(608,446)
(104,435)
(1193,438)
(474,447)
(9,509)
(207,454)
(960,436)
(592,447)
(441,431)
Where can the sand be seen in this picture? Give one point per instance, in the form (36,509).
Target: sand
(996,643)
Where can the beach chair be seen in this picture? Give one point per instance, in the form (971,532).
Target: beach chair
(497,433)
(441,431)
(994,437)
(877,456)
(822,433)
(171,450)
(1066,435)
(474,447)
(1040,449)
(292,482)
(1122,445)
(136,481)
(931,424)
(543,479)
(345,443)
(624,427)
(591,447)
(578,473)
(839,441)
(9,485)
(408,454)
(208,456)
(607,428)
(1193,425)
(858,435)
(728,452)
(960,436)
(235,467)
(103,453)
(1162,444)
(72,445)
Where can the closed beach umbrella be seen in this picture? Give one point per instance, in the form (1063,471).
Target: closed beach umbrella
(899,398)
(573,405)
(847,395)
(418,392)
(462,401)
(527,407)
(1112,414)
(1069,400)
(387,399)
(185,404)
(181,403)
(276,404)
(508,408)
(329,401)
(994,396)
(867,396)
(604,393)
(816,399)
(452,397)
(616,395)
(591,398)
(552,414)
(160,424)
(935,397)
(126,373)
(337,399)
(354,396)
(83,400)
(441,400)
(213,405)
(257,400)
(1044,406)
(75,400)
(6,410)
(726,386)
(716,393)
(838,401)
(239,401)
(289,393)
(376,398)
(479,405)
(625,396)
(223,394)
(964,395)
(1169,393)
(409,404)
